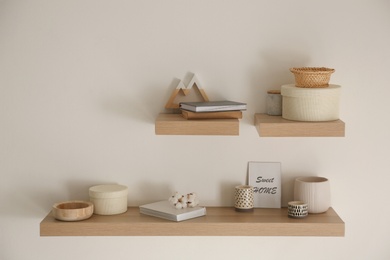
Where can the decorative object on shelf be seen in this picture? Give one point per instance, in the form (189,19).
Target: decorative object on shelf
(315,191)
(265,177)
(243,198)
(297,209)
(310,104)
(109,199)
(274,103)
(181,201)
(312,77)
(75,210)
(217,123)
(185,90)
(213,106)
(164,209)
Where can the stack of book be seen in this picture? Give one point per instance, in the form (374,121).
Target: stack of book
(212,110)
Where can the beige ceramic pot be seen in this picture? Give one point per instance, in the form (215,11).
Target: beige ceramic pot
(315,191)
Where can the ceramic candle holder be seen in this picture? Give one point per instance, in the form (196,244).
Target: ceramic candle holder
(297,209)
(244,198)
(315,191)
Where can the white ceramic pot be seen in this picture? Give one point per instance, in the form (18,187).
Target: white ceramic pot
(315,191)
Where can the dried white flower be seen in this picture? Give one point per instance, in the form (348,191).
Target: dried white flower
(183,201)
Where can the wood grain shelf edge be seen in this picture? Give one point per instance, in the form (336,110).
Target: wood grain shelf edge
(276,126)
(176,124)
(219,221)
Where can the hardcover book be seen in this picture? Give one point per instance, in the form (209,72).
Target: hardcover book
(165,210)
(212,115)
(213,106)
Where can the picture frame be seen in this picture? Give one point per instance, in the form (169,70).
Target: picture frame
(265,178)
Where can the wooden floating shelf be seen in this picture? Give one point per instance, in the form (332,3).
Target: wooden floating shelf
(276,126)
(175,124)
(219,221)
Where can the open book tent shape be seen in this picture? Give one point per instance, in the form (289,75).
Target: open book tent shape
(186,90)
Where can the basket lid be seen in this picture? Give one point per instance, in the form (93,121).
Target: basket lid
(107,191)
(291,90)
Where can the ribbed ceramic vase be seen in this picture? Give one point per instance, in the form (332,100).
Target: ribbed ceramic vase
(315,191)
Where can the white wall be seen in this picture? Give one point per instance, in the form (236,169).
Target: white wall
(81,83)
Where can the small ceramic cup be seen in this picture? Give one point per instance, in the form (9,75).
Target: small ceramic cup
(315,191)
(297,209)
(243,198)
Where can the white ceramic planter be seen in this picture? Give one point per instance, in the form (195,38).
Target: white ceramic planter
(315,191)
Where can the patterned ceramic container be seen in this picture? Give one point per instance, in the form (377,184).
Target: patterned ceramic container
(243,198)
(297,209)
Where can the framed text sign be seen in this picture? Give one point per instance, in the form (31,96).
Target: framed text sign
(265,177)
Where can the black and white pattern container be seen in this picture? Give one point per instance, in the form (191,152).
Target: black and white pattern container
(297,209)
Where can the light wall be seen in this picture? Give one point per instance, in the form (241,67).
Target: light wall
(81,83)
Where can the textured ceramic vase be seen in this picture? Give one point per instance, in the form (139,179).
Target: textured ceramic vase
(315,191)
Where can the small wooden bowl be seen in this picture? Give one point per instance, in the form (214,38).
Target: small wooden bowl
(73,210)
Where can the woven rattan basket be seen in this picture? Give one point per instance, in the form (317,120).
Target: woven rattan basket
(312,77)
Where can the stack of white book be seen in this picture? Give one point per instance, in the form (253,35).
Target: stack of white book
(165,210)
(213,106)
(224,109)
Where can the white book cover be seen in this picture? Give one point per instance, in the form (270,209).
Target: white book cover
(213,106)
(265,177)
(164,209)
